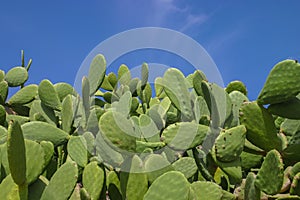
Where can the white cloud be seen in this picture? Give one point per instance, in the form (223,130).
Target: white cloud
(167,12)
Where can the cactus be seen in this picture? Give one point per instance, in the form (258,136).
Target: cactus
(61,188)
(184,135)
(133,180)
(63,89)
(97,73)
(77,149)
(67,114)
(23,96)
(40,131)
(176,89)
(251,191)
(113,186)
(3,91)
(288,109)
(229,144)
(170,185)
(48,95)
(16,76)
(270,176)
(2,115)
(39,108)
(156,165)
(236,86)
(186,165)
(282,83)
(295,187)
(194,138)
(118,130)
(261,130)
(203,189)
(16,153)
(93,179)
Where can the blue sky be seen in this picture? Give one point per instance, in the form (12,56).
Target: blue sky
(245,39)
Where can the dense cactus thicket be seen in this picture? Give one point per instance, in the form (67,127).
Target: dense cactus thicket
(180,138)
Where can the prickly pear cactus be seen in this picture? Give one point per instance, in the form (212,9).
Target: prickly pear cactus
(191,140)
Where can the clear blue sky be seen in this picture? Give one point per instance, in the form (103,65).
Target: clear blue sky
(245,39)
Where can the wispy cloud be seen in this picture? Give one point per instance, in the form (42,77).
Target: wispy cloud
(192,20)
(166,11)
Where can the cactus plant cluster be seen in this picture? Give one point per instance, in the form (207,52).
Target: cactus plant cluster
(124,138)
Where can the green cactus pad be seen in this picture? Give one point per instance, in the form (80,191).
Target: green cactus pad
(97,72)
(198,77)
(16,76)
(237,99)
(270,176)
(76,193)
(141,145)
(106,85)
(261,130)
(40,131)
(84,195)
(289,109)
(2,116)
(3,134)
(16,153)
(25,95)
(48,151)
(85,89)
(295,187)
(77,149)
(290,126)
(148,128)
(236,86)
(206,190)
(144,74)
(124,75)
(169,186)
(176,89)
(218,102)
(113,186)
(233,169)
(251,191)
(106,152)
(112,78)
(93,179)
(62,182)
(156,165)
(63,89)
(48,95)
(184,135)
(290,153)
(9,190)
(124,104)
(282,83)
(200,108)
(294,170)
(134,182)
(3,91)
(38,108)
(229,144)
(186,165)
(250,160)
(35,160)
(67,114)
(21,119)
(118,130)
(2,75)
(159,88)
